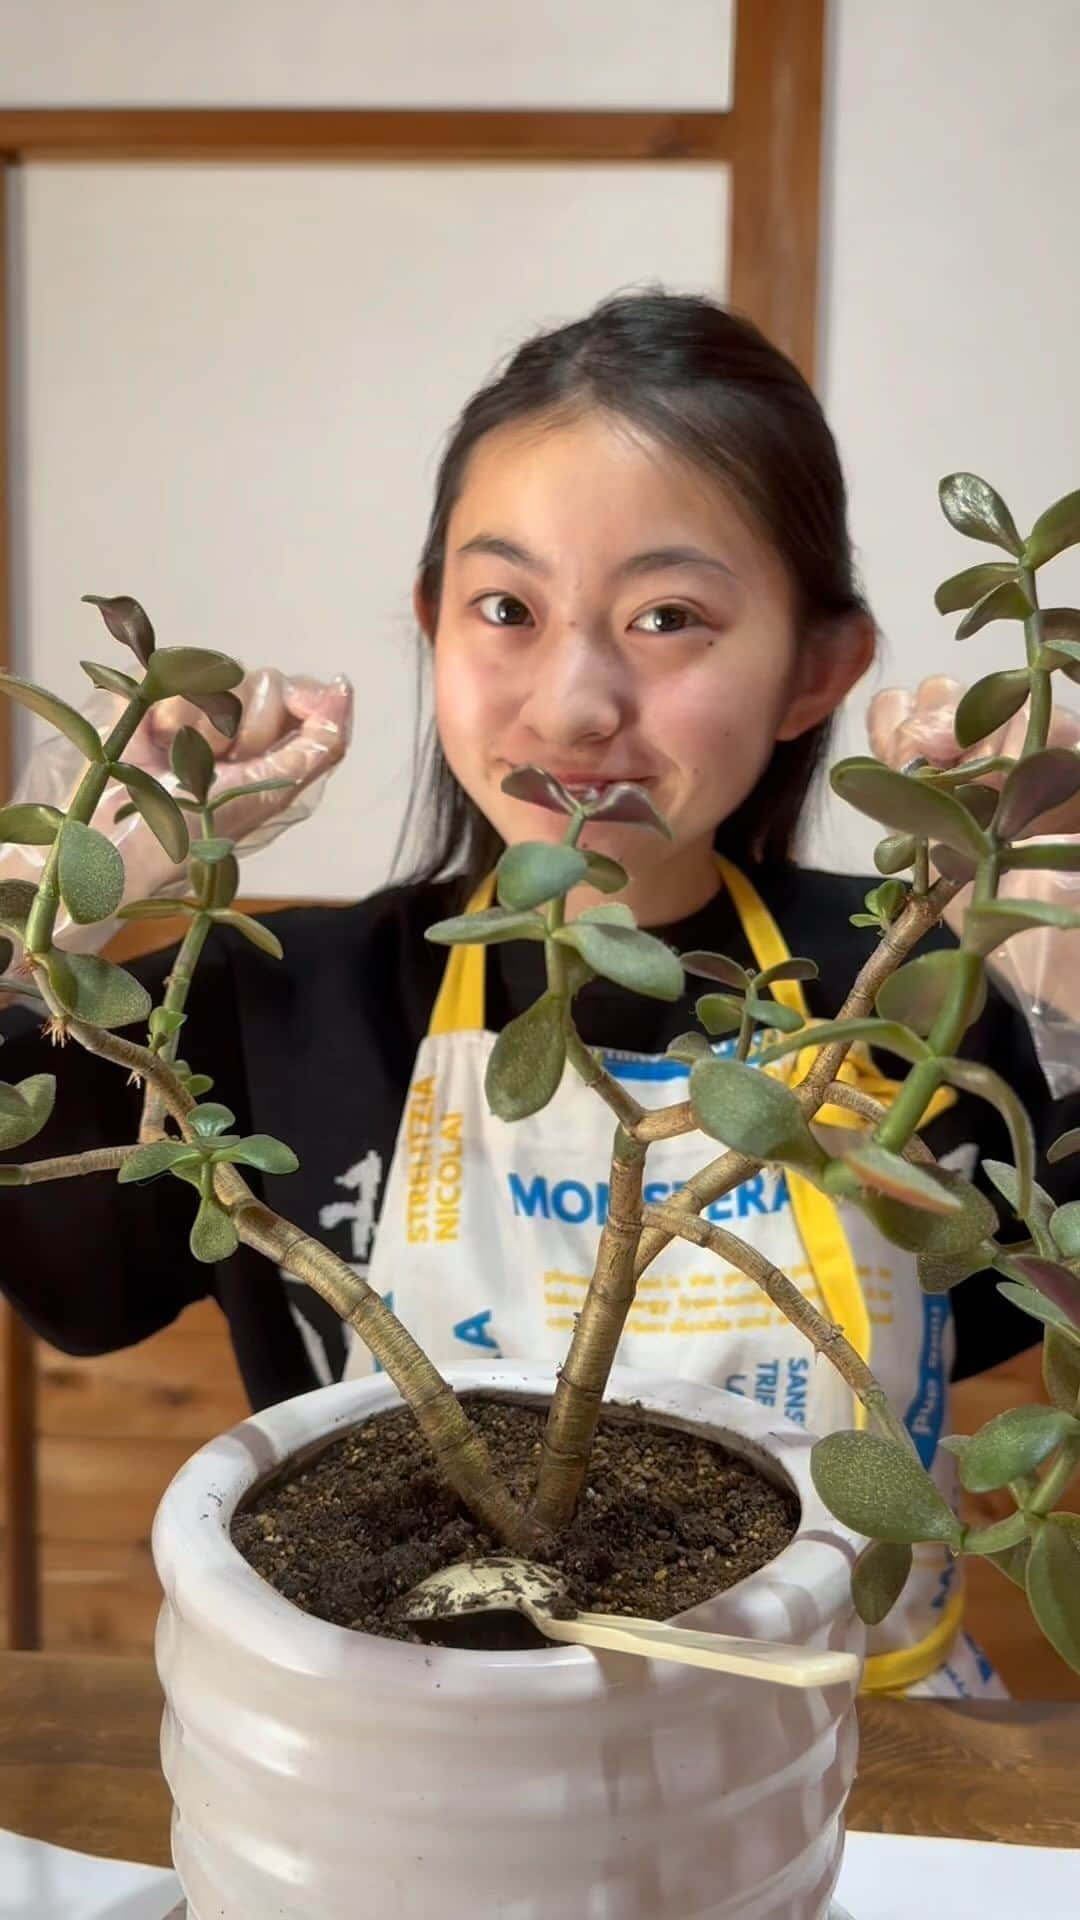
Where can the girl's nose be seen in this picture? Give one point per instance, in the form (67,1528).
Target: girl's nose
(577,690)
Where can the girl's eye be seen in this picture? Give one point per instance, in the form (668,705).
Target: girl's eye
(503,610)
(666,619)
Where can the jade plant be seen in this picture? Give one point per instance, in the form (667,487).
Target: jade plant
(944,830)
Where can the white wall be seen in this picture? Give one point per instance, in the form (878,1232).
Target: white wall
(199,423)
(418,53)
(950,302)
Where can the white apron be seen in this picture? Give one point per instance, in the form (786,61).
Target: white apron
(488,1232)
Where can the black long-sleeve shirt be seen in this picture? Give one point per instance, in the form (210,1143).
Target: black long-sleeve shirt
(318,1049)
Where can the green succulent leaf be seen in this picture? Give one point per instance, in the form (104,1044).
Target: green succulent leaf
(773,1014)
(915,994)
(1040,1204)
(161,1156)
(989,704)
(190,671)
(7,954)
(973,1077)
(156,909)
(225,712)
(881,1489)
(878,1578)
(90,873)
(1012,1444)
(1054,530)
(606,875)
(895,853)
(1065,1230)
(688,1047)
(492,925)
(1036,785)
(1065,1144)
(884,1172)
(192,761)
(717,966)
(110,679)
(57,712)
(219,881)
(962,590)
(939,1273)
(244,793)
(535,871)
(1055,1282)
(630,805)
(1061,1370)
(1061,636)
(1038,1307)
(102,994)
(907,804)
(941,1236)
(36,1097)
(126,621)
(890,1034)
(719,1013)
(165,1021)
(260,1150)
(252,930)
(211,851)
(631,958)
(158,808)
(213,1236)
(1053,1588)
(999,1538)
(197,1084)
(747,1110)
(1007,602)
(210,1120)
(539,788)
(525,1067)
(974,507)
(795,969)
(30,825)
(987,926)
(609,913)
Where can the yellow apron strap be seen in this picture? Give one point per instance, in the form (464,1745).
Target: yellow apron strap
(459,1004)
(816,1214)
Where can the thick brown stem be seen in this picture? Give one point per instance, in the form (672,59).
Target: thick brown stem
(731,1169)
(583,1377)
(596,1077)
(666,1123)
(827,1339)
(458,1449)
(70,1166)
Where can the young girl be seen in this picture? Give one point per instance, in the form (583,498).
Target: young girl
(637,568)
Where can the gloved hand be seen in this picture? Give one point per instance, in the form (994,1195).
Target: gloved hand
(293,728)
(1041,967)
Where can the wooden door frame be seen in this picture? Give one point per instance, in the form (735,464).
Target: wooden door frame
(770,140)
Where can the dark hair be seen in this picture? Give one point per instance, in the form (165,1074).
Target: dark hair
(707,383)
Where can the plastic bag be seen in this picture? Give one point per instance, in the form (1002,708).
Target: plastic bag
(1039,969)
(293,728)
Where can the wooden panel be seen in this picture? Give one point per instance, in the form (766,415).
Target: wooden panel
(777,162)
(98,1596)
(177,1386)
(344,134)
(19,1593)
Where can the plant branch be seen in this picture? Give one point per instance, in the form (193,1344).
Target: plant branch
(826,1338)
(70,1166)
(177,989)
(731,1168)
(597,1078)
(458,1449)
(583,1377)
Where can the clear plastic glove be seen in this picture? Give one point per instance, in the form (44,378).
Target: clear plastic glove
(1041,968)
(293,728)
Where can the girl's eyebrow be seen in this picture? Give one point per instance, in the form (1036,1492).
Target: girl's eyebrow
(654,560)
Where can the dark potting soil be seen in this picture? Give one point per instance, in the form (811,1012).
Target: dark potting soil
(667,1519)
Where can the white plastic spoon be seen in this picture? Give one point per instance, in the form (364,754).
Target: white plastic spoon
(505,1584)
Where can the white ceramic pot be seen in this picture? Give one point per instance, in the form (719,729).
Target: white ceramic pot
(322,1774)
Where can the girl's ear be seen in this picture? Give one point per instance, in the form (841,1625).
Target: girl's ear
(424,617)
(828,666)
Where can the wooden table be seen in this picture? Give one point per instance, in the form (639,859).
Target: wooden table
(79,1762)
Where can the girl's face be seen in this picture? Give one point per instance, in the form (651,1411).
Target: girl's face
(609,614)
